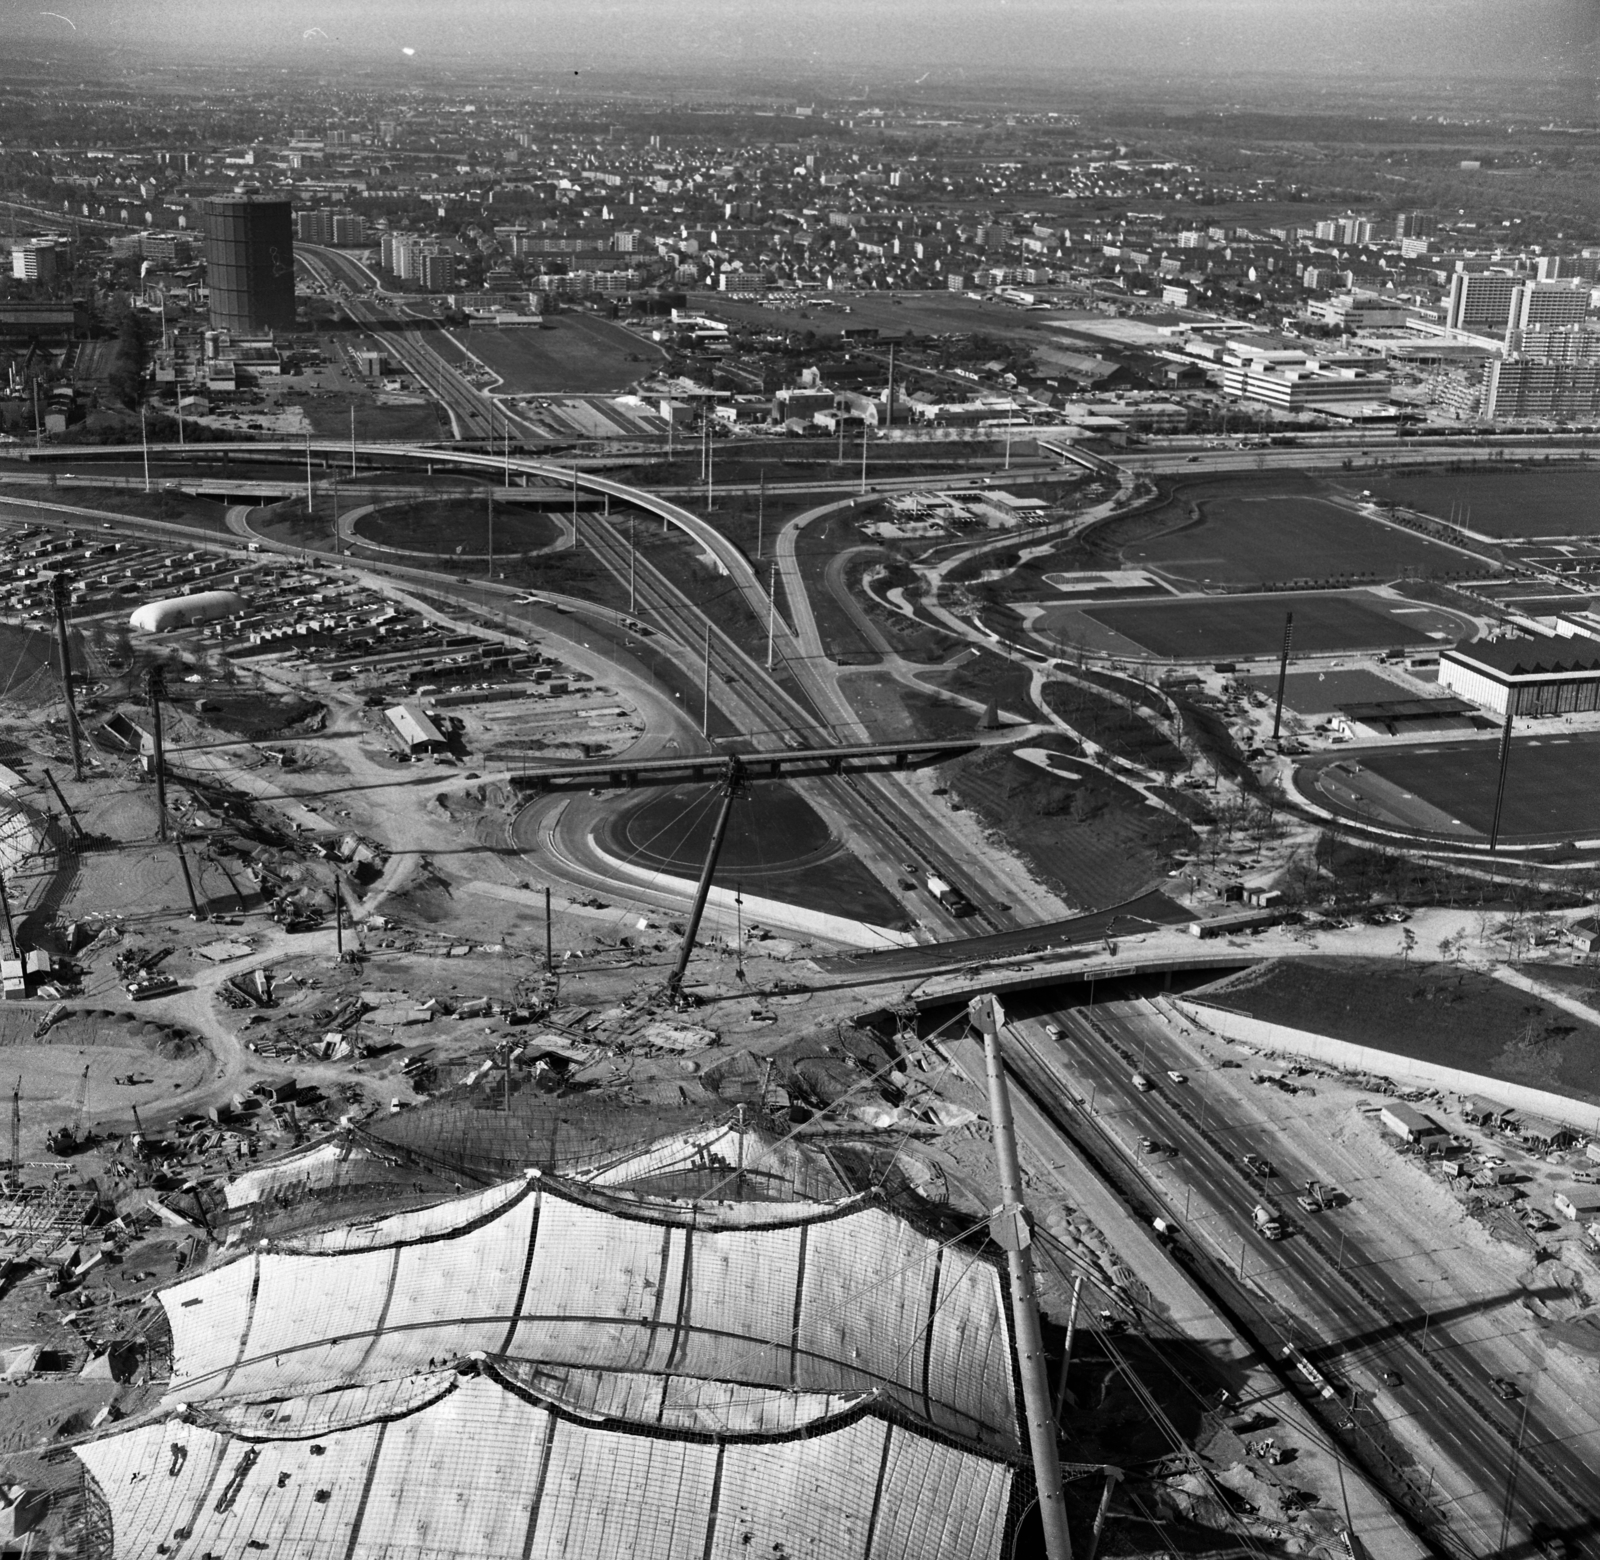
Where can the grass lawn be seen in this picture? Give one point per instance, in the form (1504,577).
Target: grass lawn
(1434,1012)
(1520,501)
(1114,728)
(1244,539)
(459,524)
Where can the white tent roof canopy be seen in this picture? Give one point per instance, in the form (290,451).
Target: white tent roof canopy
(841,1298)
(451,1468)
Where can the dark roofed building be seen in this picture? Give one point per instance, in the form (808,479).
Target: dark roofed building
(1535,676)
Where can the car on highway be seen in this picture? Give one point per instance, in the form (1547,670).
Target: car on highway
(1055,1031)
(1256,1165)
(1308,1204)
(1148,1145)
(1177,1077)
(1392,1378)
(1504,1388)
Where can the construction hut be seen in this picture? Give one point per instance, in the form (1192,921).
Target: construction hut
(415,732)
(1542,1135)
(1579,1203)
(1411,1126)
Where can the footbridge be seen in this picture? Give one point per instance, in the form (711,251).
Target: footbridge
(797,763)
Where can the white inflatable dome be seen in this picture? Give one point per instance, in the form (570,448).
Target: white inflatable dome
(206,606)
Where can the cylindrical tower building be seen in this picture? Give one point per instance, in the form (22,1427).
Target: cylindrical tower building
(249,262)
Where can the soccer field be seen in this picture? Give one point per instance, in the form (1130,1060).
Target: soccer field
(1228,627)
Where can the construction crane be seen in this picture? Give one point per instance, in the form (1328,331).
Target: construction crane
(72,1139)
(14,1165)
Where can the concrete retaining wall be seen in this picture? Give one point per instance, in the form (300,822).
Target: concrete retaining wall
(1576,1114)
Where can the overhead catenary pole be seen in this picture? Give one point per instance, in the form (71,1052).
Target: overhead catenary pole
(310,496)
(489,495)
(1012,1228)
(633,579)
(549,935)
(705,688)
(59,583)
(1505,766)
(761,512)
(1283,671)
(144,440)
(352,439)
(733,785)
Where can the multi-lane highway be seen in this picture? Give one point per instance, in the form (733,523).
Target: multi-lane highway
(1409,1379)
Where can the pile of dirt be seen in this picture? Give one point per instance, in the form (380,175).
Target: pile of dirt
(1089,837)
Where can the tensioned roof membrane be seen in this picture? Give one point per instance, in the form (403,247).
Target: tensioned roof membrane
(442,1467)
(804,1297)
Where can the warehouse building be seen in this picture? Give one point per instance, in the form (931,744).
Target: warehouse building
(1536,676)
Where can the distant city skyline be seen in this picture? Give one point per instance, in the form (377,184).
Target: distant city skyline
(1351,41)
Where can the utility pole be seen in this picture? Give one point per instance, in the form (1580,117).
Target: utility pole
(1505,765)
(888,400)
(488,494)
(352,441)
(155,688)
(1012,1228)
(863,456)
(772,610)
(58,600)
(761,512)
(144,439)
(549,936)
(1283,671)
(310,496)
(633,581)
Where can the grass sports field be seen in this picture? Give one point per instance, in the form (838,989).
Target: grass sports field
(1264,538)
(1533,501)
(1550,791)
(1228,627)
(1321,693)
(570,352)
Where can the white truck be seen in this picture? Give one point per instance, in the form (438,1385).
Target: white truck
(1267,1223)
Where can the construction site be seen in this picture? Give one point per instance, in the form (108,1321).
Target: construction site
(497,1072)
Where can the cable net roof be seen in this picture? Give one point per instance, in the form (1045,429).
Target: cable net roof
(831,1298)
(475,1468)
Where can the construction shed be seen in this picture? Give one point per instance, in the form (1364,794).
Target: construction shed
(557,1367)
(415,732)
(1411,1126)
(1581,1203)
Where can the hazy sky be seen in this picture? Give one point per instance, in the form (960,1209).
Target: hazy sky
(889,40)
